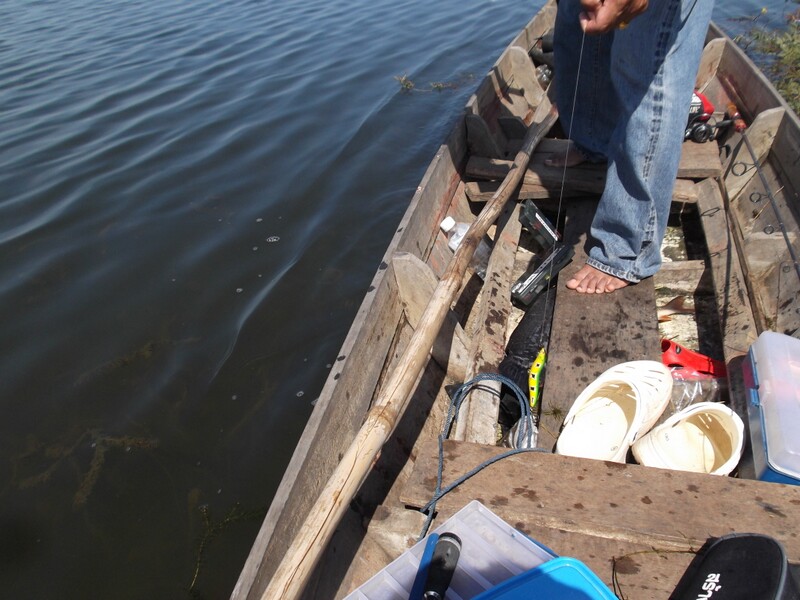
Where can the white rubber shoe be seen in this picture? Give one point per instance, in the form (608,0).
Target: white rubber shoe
(707,437)
(615,410)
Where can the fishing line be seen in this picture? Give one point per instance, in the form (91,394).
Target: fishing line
(563,181)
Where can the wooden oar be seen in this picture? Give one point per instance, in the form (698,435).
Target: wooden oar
(301,557)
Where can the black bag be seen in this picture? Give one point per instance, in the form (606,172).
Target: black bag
(739,566)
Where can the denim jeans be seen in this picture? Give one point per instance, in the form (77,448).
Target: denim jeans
(630,108)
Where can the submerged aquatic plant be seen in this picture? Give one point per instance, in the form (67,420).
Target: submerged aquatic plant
(211,529)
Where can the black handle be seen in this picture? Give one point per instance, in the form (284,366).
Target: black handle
(443,565)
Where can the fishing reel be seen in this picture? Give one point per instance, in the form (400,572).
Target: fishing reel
(699,127)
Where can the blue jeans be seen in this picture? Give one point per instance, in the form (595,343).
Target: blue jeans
(633,96)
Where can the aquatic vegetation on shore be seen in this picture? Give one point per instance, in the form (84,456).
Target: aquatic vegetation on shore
(782,46)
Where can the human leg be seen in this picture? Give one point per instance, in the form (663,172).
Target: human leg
(584,97)
(654,63)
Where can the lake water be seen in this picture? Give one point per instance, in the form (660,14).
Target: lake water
(195,197)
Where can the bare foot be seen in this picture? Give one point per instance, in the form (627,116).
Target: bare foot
(572,158)
(589,280)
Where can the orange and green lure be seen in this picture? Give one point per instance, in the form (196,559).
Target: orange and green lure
(535,377)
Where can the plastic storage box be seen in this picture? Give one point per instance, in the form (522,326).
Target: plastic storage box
(772,378)
(559,579)
(492,552)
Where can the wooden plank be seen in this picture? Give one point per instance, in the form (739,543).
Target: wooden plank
(479,138)
(482,191)
(416,283)
(733,303)
(697,161)
(761,134)
(684,277)
(669,509)
(786,153)
(591,332)
(709,62)
(522,75)
(477,420)
(646,520)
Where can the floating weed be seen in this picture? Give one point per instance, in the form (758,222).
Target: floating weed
(408,85)
(405,83)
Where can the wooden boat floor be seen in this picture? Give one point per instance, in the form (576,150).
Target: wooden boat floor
(591,332)
(634,526)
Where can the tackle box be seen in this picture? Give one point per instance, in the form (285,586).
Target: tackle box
(491,552)
(772,379)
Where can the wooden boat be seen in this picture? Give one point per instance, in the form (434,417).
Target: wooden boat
(635,527)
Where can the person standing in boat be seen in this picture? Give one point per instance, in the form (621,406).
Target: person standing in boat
(631,64)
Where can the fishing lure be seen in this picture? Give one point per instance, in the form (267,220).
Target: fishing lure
(535,377)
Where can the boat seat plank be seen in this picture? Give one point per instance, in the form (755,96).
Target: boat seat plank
(669,510)
(482,191)
(591,333)
(698,161)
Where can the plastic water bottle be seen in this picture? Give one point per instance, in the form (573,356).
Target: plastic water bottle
(455,232)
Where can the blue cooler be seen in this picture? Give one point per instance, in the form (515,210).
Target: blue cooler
(562,578)
(772,378)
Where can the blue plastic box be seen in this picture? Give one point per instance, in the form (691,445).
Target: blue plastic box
(772,378)
(562,578)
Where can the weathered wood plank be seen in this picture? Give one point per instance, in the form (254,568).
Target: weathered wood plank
(478,416)
(523,75)
(668,509)
(684,277)
(733,303)
(761,134)
(416,283)
(646,520)
(697,161)
(479,138)
(709,62)
(591,332)
(482,191)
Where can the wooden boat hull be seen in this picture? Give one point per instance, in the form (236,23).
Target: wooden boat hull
(587,509)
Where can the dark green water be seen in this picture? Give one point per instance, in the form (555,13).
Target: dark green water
(194,199)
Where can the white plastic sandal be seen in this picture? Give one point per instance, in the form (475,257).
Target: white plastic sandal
(615,410)
(707,437)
